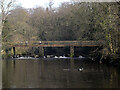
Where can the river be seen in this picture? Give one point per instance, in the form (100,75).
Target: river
(58,73)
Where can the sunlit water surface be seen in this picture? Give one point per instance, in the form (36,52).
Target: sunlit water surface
(58,73)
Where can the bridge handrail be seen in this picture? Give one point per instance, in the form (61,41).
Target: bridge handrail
(57,43)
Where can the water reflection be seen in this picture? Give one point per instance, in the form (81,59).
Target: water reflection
(58,73)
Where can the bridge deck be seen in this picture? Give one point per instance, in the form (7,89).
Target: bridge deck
(55,43)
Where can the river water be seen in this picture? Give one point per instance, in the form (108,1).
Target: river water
(58,73)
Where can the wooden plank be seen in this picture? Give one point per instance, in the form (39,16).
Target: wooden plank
(56,44)
(53,45)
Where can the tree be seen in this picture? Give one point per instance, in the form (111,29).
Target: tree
(5,7)
(109,21)
(19,24)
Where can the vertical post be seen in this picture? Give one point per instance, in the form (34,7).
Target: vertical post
(14,53)
(41,51)
(32,52)
(71,51)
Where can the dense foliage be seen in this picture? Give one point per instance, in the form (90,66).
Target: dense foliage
(71,21)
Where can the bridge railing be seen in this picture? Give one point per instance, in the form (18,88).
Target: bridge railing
(65,43)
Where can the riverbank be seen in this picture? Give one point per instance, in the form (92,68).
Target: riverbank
(113,62)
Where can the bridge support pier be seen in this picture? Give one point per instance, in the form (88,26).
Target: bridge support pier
(41,51)
(71,51)
(14,53)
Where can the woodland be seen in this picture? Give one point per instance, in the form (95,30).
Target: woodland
(70,21)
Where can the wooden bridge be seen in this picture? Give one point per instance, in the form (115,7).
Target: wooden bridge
(42,44)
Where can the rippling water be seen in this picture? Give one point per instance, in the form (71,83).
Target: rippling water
(58,73)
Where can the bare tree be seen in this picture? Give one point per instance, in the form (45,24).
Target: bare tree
(51,4)
(5,8)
